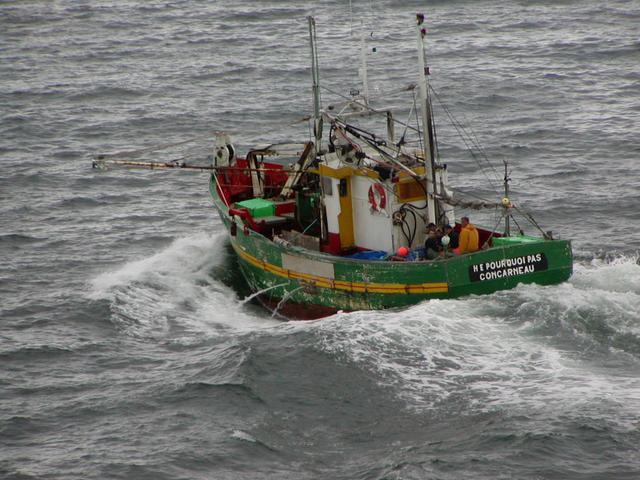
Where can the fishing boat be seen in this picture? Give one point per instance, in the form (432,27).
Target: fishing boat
(338,222)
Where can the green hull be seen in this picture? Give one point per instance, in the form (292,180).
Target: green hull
(303,283)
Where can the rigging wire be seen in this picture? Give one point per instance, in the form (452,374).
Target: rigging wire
(470,142)
(415,109)
(407,126)
(376,144)
(494,229)
(374,110)
(470,135)
(153,148)
(533,222)
(403,137)
(517,224)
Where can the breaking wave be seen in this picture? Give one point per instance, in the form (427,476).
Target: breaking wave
(517,349)
(174,294)
(520,348)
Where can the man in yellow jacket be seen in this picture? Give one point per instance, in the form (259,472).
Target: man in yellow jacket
(469,238)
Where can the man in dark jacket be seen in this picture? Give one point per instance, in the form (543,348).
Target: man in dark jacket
(432,246)
(453,236)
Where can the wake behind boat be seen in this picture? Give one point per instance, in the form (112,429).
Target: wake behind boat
(356,218)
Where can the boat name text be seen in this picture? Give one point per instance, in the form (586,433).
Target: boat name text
(508,267)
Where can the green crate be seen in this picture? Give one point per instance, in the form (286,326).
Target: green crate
(505,241)
(258,207)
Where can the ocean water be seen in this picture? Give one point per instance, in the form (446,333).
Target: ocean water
(128,349)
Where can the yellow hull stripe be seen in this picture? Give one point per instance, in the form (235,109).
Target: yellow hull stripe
(360,287)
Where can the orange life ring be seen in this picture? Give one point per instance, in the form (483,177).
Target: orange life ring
(377,197)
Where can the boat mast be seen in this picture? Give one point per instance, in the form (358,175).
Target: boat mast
(427,125)
(315,78)
(317,116)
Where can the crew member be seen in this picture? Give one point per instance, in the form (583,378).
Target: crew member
(432,245)
(469,237)
(454,238)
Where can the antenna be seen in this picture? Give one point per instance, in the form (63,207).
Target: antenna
(363,59)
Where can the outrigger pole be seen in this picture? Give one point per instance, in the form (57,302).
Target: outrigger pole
(104,164)
(427,126)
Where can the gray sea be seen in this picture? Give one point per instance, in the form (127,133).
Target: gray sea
(127,350)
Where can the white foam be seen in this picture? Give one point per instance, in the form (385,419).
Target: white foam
(488,351)
(619,275)
(185,256)
(172,294)
(610,288)
(240,435)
